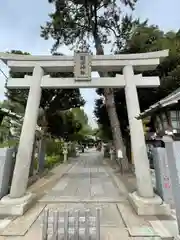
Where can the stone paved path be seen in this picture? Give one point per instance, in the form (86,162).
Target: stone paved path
(87,185)
(87,181)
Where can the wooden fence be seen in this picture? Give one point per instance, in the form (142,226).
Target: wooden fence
(70,225)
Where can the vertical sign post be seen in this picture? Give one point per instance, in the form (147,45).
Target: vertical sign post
(163,180)
(82,66)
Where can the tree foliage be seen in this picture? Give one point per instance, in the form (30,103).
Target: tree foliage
(78,23)
(81,117)
(64,125)
(146,38)
(151,38)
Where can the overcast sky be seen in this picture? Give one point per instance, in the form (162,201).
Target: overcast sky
(20,22)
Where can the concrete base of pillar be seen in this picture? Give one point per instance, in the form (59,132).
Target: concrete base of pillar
(149,206)
(16,206)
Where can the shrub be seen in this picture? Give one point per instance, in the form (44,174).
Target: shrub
(51,161)
(10,143)
(54,148)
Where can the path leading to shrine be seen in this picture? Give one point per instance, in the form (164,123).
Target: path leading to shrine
(89,183)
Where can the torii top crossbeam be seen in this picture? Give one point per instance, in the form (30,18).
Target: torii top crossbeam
(140,62)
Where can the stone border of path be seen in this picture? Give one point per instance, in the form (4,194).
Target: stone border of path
(119,184)
(10,227)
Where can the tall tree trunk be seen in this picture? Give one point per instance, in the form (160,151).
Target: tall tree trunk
(115,127)
(111,109)
(41,154)
(31,171)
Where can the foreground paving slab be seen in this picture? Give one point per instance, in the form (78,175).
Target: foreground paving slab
(4,223)
(165,229)
(110,233)
(138,226)
(21,225)
(34,233)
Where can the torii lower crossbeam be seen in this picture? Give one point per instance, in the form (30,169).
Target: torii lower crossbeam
(112,82)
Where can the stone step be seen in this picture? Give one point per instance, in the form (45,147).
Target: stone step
(51,199)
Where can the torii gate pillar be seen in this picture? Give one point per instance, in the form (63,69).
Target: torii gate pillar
(23,158)
(17,202)
(144,201)
(143,177)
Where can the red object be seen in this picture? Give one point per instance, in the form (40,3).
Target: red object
(167,185)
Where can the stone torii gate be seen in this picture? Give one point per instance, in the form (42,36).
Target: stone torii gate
(143,200)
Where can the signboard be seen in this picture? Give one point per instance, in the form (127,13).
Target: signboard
(82,66)
(162,175)
(166,182)
(119,153)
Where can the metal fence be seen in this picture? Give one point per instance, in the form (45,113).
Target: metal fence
(70,225)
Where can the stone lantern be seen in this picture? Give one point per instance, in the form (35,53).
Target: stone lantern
(65,152)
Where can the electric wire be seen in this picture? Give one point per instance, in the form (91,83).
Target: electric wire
(3,74)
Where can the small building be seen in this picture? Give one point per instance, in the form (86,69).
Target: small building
(15,119)
(6,112)
(165,115)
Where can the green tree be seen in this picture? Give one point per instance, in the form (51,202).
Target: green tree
(151,38)
(145,38)
(81,117)
(79,23)
(55,103)
(64,126)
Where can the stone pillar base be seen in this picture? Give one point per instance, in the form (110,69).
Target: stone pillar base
(16,206)
(149,206)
